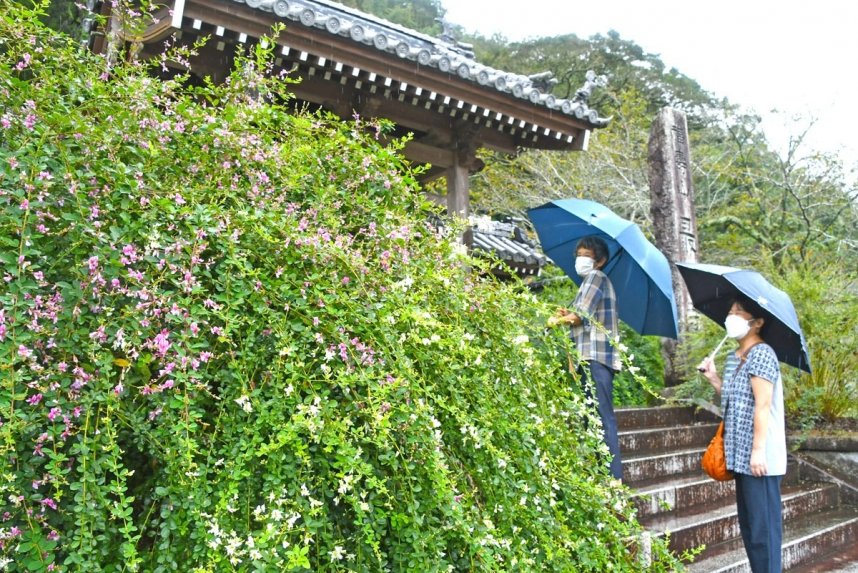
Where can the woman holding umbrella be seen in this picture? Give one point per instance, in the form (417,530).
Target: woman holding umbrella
(596,300)
(754,436)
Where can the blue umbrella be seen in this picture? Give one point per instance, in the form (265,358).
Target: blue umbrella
(713,287)
(639,272)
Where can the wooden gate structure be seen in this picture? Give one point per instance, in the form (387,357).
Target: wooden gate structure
(350,62)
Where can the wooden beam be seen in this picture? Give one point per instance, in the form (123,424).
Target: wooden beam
(421,153)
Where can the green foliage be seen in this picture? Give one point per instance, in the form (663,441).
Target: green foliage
(229,341)
(827,305)
(61,15)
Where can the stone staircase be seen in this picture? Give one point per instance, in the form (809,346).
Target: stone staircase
(661,450)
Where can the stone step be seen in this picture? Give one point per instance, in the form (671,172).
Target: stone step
(667,494)
(711,524)
(666,439)
(844,560)
(658,417)
(806,539)
(643,469)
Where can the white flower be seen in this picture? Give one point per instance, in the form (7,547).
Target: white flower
(245,404)
(459,250)
(404,284)
(337,553)
(501,463)
(289,389)
(520,339)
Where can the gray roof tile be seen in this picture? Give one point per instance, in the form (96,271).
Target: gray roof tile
(439,53)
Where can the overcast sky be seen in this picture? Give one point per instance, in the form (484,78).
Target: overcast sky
(795,56)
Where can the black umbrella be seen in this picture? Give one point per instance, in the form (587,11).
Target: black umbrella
(713,287)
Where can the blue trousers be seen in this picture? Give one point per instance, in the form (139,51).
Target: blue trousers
(603,380)
(758,500)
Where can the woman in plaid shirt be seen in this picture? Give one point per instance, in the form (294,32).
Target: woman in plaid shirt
(596,302)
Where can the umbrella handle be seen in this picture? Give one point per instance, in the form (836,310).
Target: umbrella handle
(714,352)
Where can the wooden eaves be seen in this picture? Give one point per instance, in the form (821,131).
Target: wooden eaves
(352,63)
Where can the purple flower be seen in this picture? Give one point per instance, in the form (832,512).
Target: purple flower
(34,400)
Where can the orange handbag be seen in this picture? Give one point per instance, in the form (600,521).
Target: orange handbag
(714,462)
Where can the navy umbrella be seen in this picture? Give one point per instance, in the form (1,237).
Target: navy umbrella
(639,272)
(713,287)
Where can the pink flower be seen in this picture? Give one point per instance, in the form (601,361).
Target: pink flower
(161,342)
(98,335)
(56,411)
(24,352)
(25,61)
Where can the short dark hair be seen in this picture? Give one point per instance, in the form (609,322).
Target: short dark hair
(751,307)
(595,244)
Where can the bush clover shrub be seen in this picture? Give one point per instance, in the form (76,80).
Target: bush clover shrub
(230,341)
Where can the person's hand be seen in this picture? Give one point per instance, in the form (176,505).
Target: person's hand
(558,317)
(758,462)
(707,368)
(707,365)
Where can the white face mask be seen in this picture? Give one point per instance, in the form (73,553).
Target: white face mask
(737,327)
(584,265)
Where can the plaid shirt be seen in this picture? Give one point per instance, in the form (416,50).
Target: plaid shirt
(596,301)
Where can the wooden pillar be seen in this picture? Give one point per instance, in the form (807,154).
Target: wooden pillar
(458,191)
(672,211)
(458,196)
